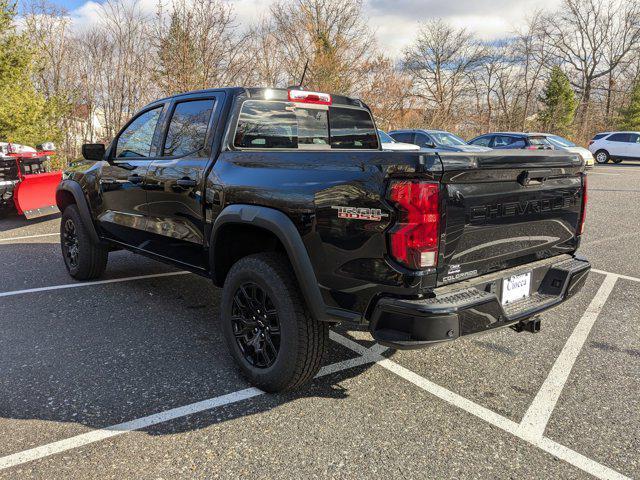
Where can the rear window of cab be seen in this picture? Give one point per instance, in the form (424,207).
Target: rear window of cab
(275,124)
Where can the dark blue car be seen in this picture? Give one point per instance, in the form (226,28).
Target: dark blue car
(435,139)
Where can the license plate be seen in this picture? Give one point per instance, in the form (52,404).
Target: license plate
(516,288)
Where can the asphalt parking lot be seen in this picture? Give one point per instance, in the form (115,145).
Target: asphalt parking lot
(129,378)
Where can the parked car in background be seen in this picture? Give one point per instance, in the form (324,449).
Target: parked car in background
(561,143)
(615,146)
(435,139)
(598,136)
(513,140)
(389,143)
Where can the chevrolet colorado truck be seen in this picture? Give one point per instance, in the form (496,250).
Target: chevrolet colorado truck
(285,199)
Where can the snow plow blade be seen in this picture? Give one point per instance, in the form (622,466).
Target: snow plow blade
(35,195)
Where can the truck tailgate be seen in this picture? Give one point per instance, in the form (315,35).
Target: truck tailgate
(504,209)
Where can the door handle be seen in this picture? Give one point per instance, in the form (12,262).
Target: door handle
(186,182)
(134,178)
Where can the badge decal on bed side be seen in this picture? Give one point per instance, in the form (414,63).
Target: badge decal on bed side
(354,213)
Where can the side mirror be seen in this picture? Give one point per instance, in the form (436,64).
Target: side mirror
(93,151)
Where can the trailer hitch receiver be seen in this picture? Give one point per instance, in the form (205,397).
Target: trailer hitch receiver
(531,325)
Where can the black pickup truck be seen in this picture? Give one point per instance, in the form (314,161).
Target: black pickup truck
(284,198)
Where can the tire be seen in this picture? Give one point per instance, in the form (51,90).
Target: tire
(616,160)
(83,259)
(5,210)
(602,156)
(251,320)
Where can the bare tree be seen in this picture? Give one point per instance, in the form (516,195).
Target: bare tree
(439,63)
(118,62)
(197,45)
(530,50)
(329,34)
(58,74)
(266,56)
(50,28)
(593,38)
(386,90)
(485,78)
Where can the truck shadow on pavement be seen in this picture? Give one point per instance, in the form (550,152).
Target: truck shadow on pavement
(104,354)
(12,221)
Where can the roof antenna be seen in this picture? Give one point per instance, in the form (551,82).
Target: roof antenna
(304,73)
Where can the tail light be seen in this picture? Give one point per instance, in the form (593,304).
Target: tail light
(302,96)
(583,210)
(590,142)
(414,238)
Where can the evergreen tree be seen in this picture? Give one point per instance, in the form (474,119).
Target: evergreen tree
(630,116)
(25,116)
(559,103)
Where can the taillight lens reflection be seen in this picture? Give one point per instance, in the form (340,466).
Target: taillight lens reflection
(414,238)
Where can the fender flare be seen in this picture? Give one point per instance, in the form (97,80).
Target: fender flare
(280,225)
(75,189)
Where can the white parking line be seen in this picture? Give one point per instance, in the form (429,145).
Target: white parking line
(88,284)
(137,424)
(10,239)
(559,451)
(539,412)
(617,275)
(102,434)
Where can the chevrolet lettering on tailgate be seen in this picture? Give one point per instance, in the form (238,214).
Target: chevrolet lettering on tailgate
(515,209)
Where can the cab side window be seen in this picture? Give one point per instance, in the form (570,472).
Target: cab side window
(188,128)
(619,137)
(404,137)
(423,140)
(135,141)
(502,141)
(482,141)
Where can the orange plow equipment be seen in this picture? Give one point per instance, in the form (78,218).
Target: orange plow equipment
(34,191)
(35,194)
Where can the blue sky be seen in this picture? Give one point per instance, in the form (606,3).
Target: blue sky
(69,4)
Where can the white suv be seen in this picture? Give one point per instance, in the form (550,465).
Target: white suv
(616,146)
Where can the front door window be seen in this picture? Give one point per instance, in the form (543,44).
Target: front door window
(135,141)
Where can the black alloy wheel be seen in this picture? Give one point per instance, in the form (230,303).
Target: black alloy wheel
(256,326)
(277,344)
(70,244)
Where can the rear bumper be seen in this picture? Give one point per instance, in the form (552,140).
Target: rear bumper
(474,305)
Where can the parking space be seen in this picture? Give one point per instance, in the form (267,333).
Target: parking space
(131,378)
(31,252)
(598,411)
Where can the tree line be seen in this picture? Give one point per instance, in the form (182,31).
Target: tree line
(573,71)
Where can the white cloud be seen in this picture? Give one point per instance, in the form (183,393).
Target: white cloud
(397,21)
(249,12)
